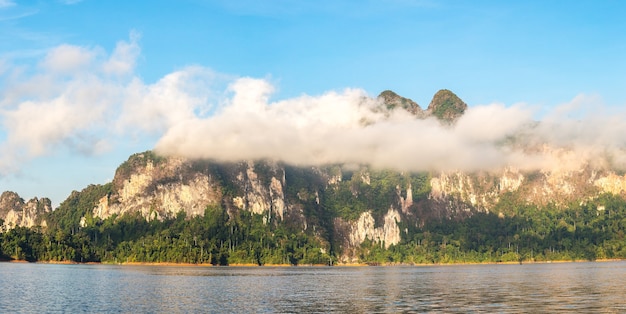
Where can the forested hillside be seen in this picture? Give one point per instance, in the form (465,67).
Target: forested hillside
(261,212)
(592,231)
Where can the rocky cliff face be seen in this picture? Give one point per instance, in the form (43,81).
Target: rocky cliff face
(484,191)
(364,228)
(159,188)
(17,213)
(362,204)
(259,195)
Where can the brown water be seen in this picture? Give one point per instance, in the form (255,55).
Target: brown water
(532,288)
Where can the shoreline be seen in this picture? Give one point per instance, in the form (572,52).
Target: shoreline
(251,265)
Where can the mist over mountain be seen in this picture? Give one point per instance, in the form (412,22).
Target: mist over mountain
(347,172)
(352,128)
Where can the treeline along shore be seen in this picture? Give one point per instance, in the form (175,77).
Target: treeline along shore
(583,232)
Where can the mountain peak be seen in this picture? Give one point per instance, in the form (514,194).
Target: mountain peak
(446,106)
(393,100)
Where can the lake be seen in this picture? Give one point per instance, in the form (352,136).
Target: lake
(529,288)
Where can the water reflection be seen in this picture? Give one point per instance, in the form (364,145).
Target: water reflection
(568,287)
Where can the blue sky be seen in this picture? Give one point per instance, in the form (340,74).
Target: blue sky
(540,53)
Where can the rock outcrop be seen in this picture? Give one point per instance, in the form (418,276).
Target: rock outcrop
(17,213)
(484,191)
(353,233)
(158,188)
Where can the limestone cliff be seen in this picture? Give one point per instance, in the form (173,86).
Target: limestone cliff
(15,212)
(258,195)
(353,233)
(342,206)
(483,191)
(158,187)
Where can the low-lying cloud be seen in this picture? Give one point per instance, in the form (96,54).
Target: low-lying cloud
(86,100)
(350,127)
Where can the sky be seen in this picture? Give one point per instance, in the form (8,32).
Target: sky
(84,84)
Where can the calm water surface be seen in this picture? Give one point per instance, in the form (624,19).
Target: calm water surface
(532,288)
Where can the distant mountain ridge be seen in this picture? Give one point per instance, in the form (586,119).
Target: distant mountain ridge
(339,205)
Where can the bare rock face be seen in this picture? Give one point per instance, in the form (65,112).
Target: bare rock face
(483,191)
(354,233)
(387,234)
(479,190)
(10,201)
(159,187)
(259,196)
(17,213)
(610,183)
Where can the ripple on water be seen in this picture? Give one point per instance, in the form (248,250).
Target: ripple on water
(563,287)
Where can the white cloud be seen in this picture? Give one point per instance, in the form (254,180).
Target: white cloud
(34,128)
(83,99)
(345,127)
(123,58)
(79,98)
(67,59)
(493,122)
(156,107)
(348,127)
